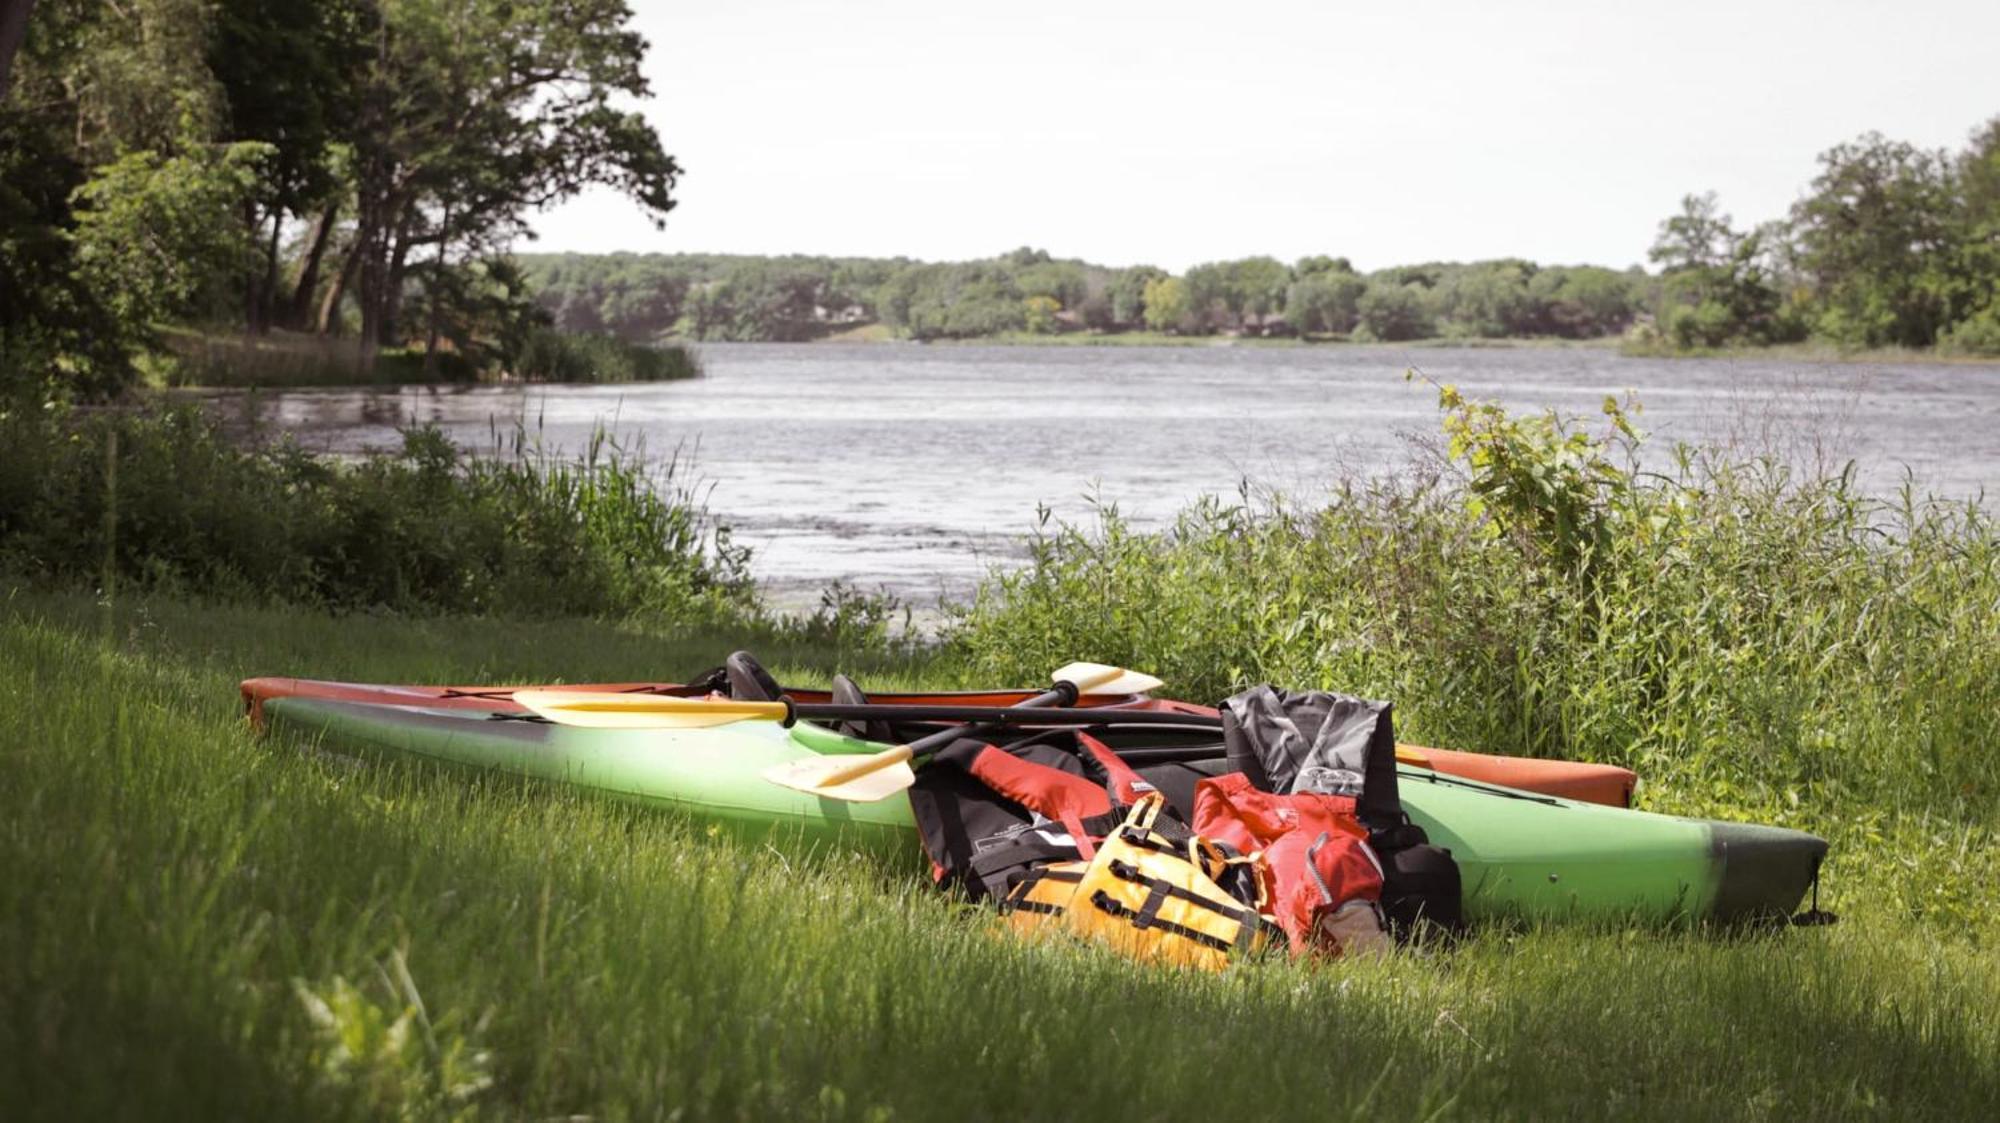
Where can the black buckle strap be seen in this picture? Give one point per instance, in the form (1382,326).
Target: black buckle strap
(1162,889)
(1111,906)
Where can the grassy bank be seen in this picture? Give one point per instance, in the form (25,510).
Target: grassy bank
(288,360)
(210,925)
(877,333)
(169,500)
(1815,352)
(205,923)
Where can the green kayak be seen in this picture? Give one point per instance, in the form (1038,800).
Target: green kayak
(1520,854)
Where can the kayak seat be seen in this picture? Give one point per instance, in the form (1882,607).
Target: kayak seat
(748,680)
(846,693)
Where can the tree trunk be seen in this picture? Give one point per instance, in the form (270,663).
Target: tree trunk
(13,32)
(437,283)
(328,322)
(308,282)
(252,299)
(268,307)
(392,297)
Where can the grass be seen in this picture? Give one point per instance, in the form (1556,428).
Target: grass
(284,360)
(170,500)
(1816,351)
(206,924)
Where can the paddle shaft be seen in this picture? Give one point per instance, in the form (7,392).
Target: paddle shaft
(1001,715)
(1064,694)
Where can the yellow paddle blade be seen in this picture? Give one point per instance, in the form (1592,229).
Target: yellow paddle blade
(1411,755)
(856,779)
(598,710)
(1097,678)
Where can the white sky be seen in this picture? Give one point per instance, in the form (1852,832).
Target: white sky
(1172,133)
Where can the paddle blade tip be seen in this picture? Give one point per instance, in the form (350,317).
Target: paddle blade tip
(1102,678)
(810,775)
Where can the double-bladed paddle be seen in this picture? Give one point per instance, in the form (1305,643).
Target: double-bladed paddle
(880,775)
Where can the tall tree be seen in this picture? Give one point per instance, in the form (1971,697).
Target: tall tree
(473,113)
(1876,238)
(13,30)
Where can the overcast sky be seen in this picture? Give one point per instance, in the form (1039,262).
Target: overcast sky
(1392,131)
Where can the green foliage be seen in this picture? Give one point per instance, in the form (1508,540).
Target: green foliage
(1876,238)
(1128,294)
(1765,644)
(1038,315)
(1392,310)
(1237,295)
(953,301)
(564,357)
(1167,304)
(1717,282)
(1324,300)
(427,530)
(1977,334)
(159,235)
(389,1054)
(1892,246)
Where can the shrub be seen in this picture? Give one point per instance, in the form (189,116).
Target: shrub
(1977,334)
(166,500)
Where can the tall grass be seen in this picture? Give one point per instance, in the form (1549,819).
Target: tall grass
(553,356)
(285,360)
(202,923)
(168,500)
(1755,643)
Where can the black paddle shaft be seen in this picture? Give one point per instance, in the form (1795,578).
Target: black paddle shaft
(1001,715)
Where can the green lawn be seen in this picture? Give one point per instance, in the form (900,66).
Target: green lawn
(200,923)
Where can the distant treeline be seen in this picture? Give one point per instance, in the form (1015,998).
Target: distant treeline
(788,299)
(1891,246)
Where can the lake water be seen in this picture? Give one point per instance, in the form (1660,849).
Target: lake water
(918,467)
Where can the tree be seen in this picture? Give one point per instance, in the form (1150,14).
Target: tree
(1717,283)
(1168,307)
(13,30)
(1876,239)
(472,113)
(159,234)
(1128,294)
(1489,299)
(1394,312)
(1325,299)
(1039,315)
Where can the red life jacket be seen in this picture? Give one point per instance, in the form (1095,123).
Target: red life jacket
(1315,850)
(987,815)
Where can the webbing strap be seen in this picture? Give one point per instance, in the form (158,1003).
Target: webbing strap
(1312,865)
(1111,906)
(1041,907)
(1162,888)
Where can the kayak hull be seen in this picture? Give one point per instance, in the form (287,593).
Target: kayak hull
(1521,854)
